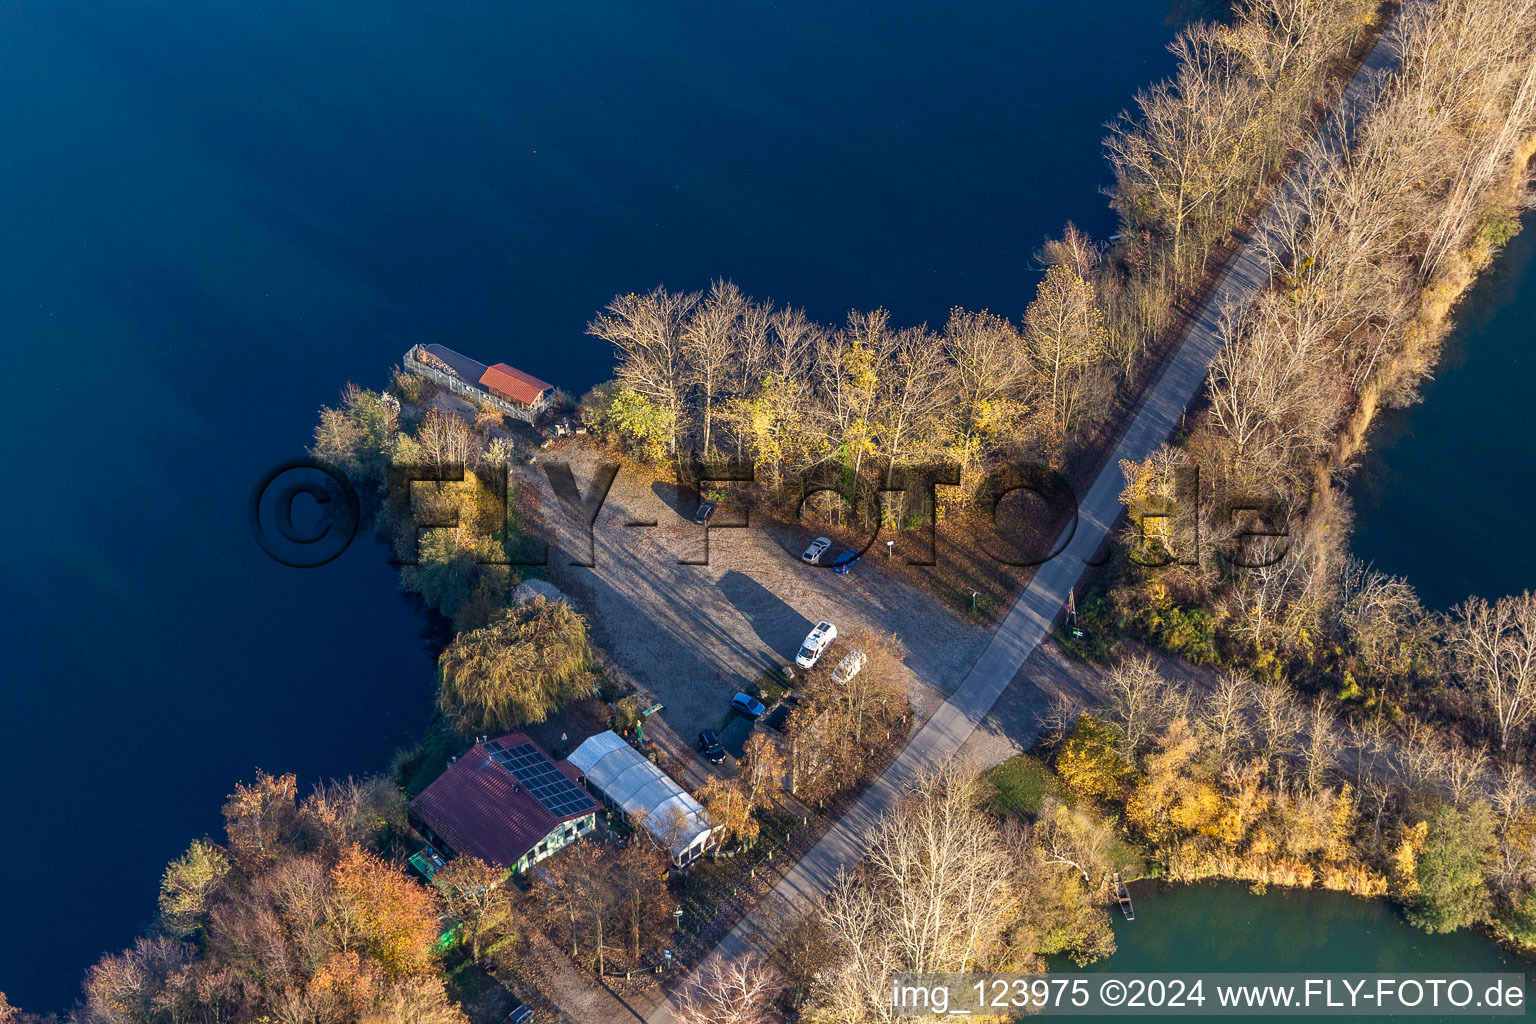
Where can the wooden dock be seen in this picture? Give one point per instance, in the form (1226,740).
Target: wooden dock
(1123,894)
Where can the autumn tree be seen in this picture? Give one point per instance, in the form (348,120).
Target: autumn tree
(259,817)
(343,812)
(1170,800)
(389,916)
(728,807)
(841,728)
(516,670)
(1223,715)
(188,886)
(936,893)
(640,874)
(414,1001)
(1179,159)
(446,439)
(358,435)
(129,987)
(1384,622)
(1064,339)
(872,698)
(1071,838)
(1092,758)
(583,892)
(647,330)
(989,372)
(560,895)
(762,774)
(1140,701)
(475,892)
(712,338)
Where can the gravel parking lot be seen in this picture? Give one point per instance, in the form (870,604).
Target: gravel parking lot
(693,635)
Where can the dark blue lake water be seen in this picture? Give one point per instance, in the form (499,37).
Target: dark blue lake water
(213,215)
(1444,493)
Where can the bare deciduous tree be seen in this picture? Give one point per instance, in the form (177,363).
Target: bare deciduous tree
(1140,701)
(1495,652)
(714,338)
(647,330)
(1224,714)
(1064,337)
(730,991)
(936,893)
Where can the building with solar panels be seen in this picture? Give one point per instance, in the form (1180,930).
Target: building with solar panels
(629,783)
(505,802)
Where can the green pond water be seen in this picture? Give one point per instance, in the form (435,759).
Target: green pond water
(1226,928)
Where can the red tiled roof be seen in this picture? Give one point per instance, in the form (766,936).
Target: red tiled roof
(479,809)
(515,384)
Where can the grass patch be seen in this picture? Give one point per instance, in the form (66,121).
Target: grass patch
(1019,785)
(485,1000)
(771,685)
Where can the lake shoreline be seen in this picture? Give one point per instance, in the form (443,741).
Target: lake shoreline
(1429,328)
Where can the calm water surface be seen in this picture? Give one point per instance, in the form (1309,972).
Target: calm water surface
(212,215)
(1444,495)
(1225,928)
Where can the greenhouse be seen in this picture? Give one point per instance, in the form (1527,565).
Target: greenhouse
(629,783)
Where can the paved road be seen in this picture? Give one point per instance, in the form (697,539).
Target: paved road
(1036,609)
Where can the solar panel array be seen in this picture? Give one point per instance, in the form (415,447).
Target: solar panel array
(541,778)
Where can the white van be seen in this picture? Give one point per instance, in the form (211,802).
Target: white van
(817,641)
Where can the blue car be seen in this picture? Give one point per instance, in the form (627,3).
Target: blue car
(843,561)
(747,705)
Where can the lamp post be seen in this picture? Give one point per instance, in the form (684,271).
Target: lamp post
(890,545)
(565,745)
(974,595)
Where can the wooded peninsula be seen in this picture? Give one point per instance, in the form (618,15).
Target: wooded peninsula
(1303,723)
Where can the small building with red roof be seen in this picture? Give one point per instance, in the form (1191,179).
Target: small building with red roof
(514,385)
(504,388)
(506,802)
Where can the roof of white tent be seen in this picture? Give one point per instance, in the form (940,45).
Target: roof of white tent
(638,786)
(528,590)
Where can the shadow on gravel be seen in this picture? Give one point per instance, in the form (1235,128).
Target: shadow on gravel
(734,733)
(680,498)
(776,624)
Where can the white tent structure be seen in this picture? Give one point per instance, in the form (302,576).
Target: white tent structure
(529,590)
(628,782)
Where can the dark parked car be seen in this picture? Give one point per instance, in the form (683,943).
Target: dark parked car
(710,744)
(522,1015)
(843,561)
(706,512)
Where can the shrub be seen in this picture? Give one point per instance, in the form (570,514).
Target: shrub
(516,670)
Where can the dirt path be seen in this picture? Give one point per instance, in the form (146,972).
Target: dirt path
(575,992)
